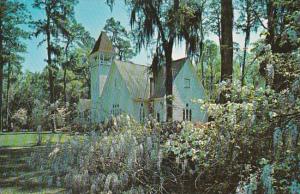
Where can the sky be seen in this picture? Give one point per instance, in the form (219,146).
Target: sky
(92,14)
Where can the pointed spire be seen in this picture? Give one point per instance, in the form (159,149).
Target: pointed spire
(103,44)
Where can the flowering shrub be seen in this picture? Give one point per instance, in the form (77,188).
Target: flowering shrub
(254,124)
(122,160)
(20,118)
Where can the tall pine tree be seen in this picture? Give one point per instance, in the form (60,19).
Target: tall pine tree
(13,15)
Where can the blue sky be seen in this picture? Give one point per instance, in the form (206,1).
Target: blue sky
(92,14)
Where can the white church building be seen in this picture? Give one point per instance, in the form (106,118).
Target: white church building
(122,87)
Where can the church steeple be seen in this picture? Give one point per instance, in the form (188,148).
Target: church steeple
(101,59)
(103,50)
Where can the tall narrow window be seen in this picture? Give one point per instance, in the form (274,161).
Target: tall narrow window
(101,60)
(187,113)
(158,117)
(118,109)
(142,113)
(151,86)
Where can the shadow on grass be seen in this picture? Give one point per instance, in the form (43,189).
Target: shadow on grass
(17,177)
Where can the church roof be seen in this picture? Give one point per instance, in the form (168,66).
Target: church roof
(136,77)
(103,44)
(160,90)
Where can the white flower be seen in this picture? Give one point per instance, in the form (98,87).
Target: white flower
(54,152)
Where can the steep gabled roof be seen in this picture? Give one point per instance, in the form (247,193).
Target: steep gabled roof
(136,78)
(103,44)
(160,90)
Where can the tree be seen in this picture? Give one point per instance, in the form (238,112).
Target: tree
(226,39)
(214,18)
(226,42)
(56,13)
(72,33)
(281,31)
(211,58)
(81,66)
(168,22)
(247,22)
(120,39)
(13,70)
(12,15)
(204,22)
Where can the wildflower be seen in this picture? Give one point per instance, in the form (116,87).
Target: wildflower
(54,152)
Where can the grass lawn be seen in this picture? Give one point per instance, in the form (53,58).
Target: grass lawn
(16,177)
(25,139)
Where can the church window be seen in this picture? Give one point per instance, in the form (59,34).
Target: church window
(187,113)
(158,117)
(101,59)
(151,86)
(187,83)
(116,110)
(142,113)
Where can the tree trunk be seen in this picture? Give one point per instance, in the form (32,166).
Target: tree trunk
(7,97)
(1,66)
(201,50)
(271,13)
(49,61)
(65,73)
(226,42)
(50,72)
(65,86)
(169,81)
(246,43)
(277,83)
(1,95)
(211,79)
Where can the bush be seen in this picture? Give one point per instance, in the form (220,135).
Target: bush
(126,158)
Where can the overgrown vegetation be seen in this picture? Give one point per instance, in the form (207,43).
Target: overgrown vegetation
(251,146)
(251,142)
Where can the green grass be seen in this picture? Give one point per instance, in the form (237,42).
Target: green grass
(15,174)
(16,177)
(21,139)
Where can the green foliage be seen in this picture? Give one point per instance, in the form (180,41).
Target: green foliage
(120,39)
(211,68)
(13,16)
